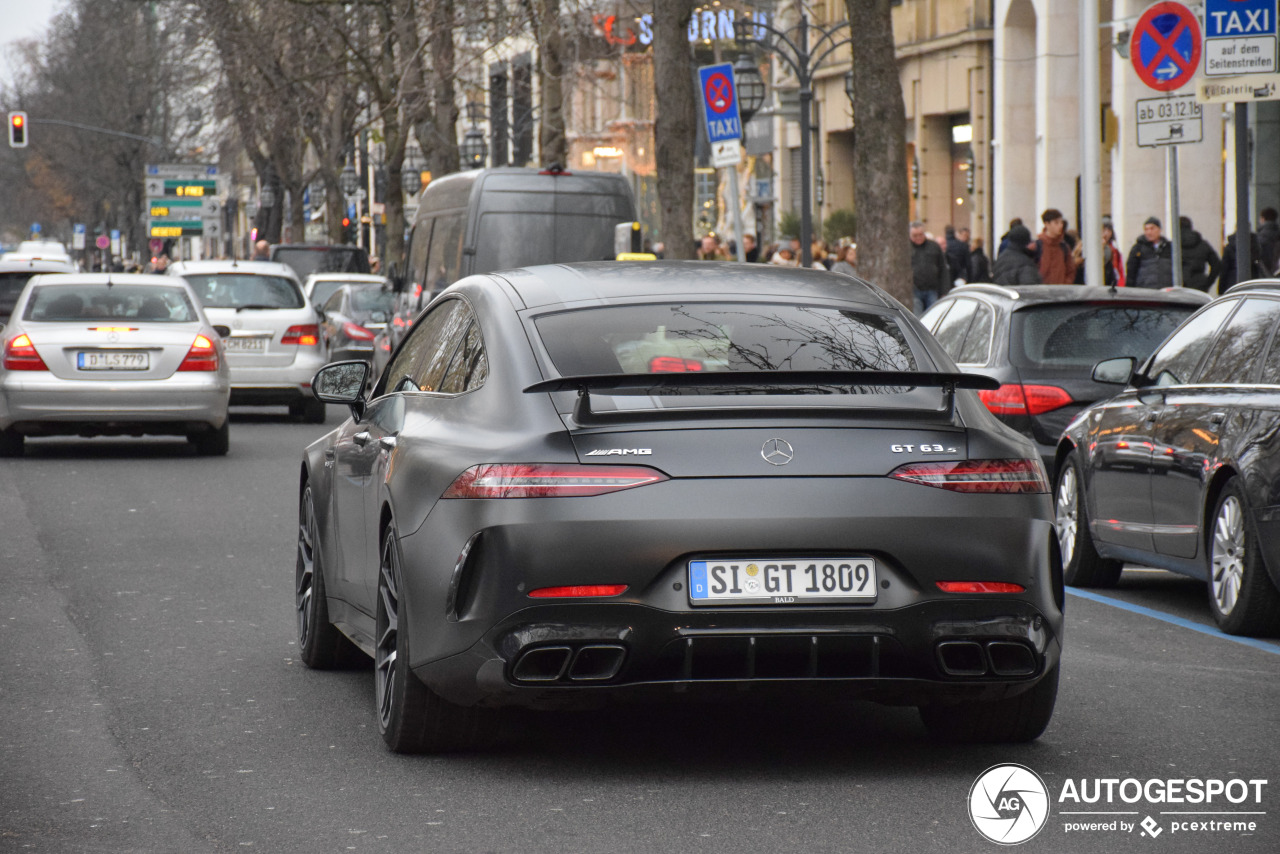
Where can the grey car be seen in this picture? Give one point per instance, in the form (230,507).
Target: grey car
(112,354)
(591,482)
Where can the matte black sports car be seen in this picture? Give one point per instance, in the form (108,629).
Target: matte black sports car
(1181,470)
(596,481)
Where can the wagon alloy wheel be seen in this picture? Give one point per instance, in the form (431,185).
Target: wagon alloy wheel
(1242,597)
(1082,566)
(1067,514)
(388,630)
(320,644)
(306,571)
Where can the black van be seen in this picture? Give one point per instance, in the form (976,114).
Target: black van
(496,219)
(308,258)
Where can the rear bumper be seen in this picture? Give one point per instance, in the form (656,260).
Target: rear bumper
(472,625)
(274,384)
(39,404)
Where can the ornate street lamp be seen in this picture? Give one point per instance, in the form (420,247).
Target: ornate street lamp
(473,148)
(750,87)
(348,180)
(792,46)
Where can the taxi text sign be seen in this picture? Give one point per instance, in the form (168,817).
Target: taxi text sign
(1239,37)
(1165,46)
(720,102)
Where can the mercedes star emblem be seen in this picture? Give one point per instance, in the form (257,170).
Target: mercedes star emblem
(777,452)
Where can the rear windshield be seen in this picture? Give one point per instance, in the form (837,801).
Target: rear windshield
(321,291)
(72,303)
(306,260)
(638,339)
(1081,335)
(245,290)
(506,240)
(11,285)
(372,298)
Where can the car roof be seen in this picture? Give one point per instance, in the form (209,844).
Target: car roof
(158,279)
(609,281)
(1025,295)
(250,268)
(354,278)
(38,265)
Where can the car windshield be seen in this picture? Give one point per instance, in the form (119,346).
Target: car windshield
(73,303)
(367,299)
(639,339)
(245,290)
(306,260)
(1082,334)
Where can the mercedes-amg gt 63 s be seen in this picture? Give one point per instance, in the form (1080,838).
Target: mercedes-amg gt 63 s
(593,482)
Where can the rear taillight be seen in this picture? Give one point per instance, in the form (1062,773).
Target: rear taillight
(578,591)
(673,365)
(202,356)
(356,333)
(980,587)
(1019,399)
(537,480)
(977,475)
(307,335)
(20,355)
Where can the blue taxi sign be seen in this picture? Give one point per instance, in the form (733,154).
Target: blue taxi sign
(720,102)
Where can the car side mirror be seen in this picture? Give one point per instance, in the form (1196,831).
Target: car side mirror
(342,382)
(223,331)
(1117,371)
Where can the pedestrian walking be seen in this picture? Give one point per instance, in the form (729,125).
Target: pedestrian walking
(929,271)
(848,263)
(1197,254)
(1228,279)
(750,251)
(1016,264)
(1004,238)
(261,251)
(979,263)
(1112,259)
(1053,253)
(1150,263)
(1269,240)
(958,253)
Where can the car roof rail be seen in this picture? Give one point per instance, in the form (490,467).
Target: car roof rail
(984,286)
(1255,285)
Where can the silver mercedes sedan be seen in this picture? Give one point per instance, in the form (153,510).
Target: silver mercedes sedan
(112,354)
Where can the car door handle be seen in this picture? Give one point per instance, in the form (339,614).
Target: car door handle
(1150,417)
(328,453)
(1217,418)
(387,442)
(361,438)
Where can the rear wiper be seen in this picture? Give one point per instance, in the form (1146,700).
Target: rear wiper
(254,306)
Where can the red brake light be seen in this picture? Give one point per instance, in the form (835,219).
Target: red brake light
(579,591)
(979,587)
(202,356)
(538,480)
(397,321)
(308,335)
(1017,399)
(1001,476)
(358,333)
(20,355)
(673,365)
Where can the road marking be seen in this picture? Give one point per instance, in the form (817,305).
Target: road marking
(1265,646)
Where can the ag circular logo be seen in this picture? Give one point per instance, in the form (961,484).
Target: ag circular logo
(1008,804)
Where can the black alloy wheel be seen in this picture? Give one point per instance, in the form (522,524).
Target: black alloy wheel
(321,645)
(1082,566)
(411,717)
(1010,721)
(1242,597)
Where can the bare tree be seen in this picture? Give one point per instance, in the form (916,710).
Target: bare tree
(675,125)
(879,152)
(552,138)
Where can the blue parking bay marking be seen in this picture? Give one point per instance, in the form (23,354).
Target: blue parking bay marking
(698,579)
(1265,646)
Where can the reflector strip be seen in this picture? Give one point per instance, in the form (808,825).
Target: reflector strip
(578,592)
(980,587)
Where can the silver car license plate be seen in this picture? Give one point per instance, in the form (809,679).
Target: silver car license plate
(112,360)
(245,345)
(782,581)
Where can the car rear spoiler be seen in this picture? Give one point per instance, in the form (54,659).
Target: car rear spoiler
(650,383)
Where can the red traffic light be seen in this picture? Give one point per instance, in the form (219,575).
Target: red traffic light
(18,130)
(346,222)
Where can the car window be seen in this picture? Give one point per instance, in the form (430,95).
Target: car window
(1177,358)
(322,290)
(444,260)
(305,260)
(74,303)
(660,337)
(11,285)
(931,317)
(470,366)
(977,344)
(334,304)
(421,361)
(370,298)
(245,290)
(953,328)
(1236,353)
(1080,335)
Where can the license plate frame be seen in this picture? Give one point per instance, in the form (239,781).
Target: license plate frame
(113,360)
(854,579)
(249,344)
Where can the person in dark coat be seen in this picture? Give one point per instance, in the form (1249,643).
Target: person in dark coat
(979,263)
(1196,255)
(1017,265)
(929,272)
(1228,279)
(958,253)
(1004,238)
(1150,263)
(1269,240)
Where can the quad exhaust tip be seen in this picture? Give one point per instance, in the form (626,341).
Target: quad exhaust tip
(597,662)
(588,663)
(544,664)
(998,658)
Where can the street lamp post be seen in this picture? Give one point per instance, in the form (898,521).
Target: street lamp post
(793,47)
(750,86)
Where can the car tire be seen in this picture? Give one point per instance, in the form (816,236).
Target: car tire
(311,411)
(11,443)
(1009,721)
(321,645)
(411,717)
(1242,597)
(213,443)
(1082,566)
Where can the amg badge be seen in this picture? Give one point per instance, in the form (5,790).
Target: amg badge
(620,452)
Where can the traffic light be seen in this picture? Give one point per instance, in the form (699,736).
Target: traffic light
(18,130)
(348,233)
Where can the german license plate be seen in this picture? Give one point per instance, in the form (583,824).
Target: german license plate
(112,360)
(245,345)
(782,581)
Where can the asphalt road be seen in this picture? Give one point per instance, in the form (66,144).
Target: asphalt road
(151,701)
